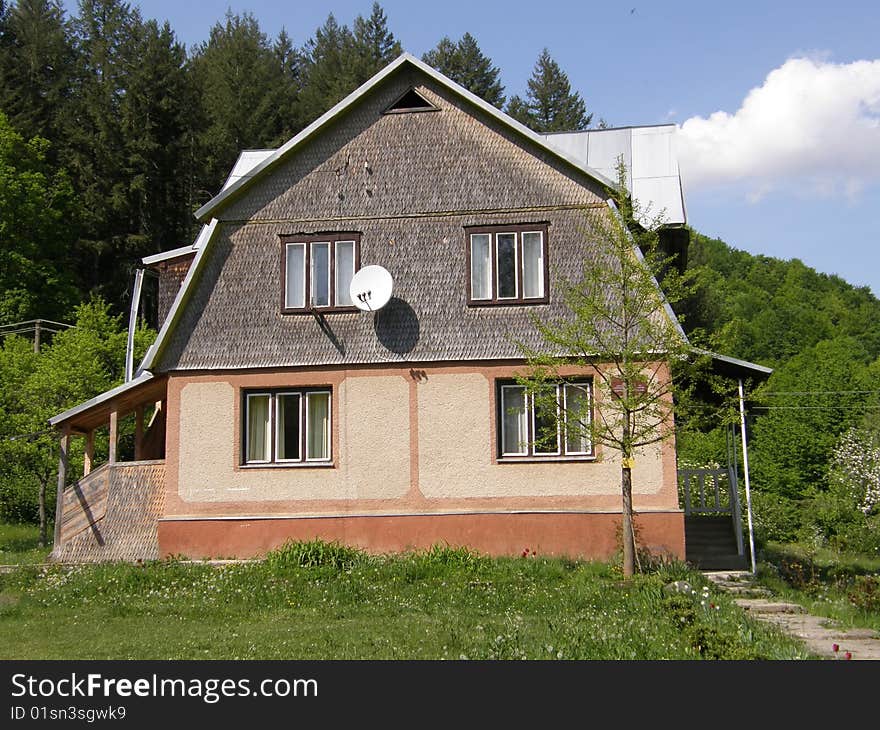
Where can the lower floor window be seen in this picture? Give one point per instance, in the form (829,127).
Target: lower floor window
(287,426)
(554,423)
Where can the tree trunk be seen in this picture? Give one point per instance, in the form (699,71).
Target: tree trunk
(629,546)
(44,536)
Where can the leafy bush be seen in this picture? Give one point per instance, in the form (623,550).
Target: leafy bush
(865,593)
(776,518)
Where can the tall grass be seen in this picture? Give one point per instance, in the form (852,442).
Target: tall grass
(319,600)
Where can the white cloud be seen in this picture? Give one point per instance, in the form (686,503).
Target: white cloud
(812,128)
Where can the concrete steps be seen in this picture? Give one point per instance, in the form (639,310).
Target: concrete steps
(710,543)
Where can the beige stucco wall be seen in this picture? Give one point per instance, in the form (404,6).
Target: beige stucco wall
(405,441)
(371,447)
(456,438)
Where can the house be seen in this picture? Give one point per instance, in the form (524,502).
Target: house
(270,408)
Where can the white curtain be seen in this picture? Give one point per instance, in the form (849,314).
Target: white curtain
(577,419)
(344,272)
(481,269)
(258,428)
(533,265)
(318,434)
(514,420)
(295,286)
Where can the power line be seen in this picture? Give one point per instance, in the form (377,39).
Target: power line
(819,392)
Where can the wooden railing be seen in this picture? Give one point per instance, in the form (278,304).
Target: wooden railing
(85,503)
(712,492)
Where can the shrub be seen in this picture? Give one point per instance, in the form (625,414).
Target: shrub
(315,554)
(865,593)
(776,518)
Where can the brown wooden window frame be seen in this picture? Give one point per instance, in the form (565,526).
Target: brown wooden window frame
(273,395)
(307,241)
(530,451)
(517,231)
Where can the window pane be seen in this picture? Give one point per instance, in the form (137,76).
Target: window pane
(295,284)
(344,272)
(533,265)
(546,423)
(318,426)
(481,266)
(577,419)
(514,424)
(258,434)
(506,243)
(287,445)
(320,274)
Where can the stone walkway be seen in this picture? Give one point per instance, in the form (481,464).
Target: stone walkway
(817,633)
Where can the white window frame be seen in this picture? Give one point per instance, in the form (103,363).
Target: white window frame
(247,425)
(308,244)
(277,423)
(530,451)
(516,264)
(273,395)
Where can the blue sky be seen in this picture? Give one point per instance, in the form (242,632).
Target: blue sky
(778,102)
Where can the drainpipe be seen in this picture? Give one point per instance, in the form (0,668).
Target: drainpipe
(742,426)
(132,324)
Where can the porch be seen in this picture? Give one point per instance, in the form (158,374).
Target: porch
(111,511)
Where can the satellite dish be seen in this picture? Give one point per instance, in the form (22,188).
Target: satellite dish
(370,288)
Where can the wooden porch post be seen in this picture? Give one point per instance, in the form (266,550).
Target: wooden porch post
(89,453)
(114,432)
(138,433)
(62,478)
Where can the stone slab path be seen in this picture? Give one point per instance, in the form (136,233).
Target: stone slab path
(817,633)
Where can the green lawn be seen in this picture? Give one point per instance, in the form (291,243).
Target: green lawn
(320,601)
(20,544)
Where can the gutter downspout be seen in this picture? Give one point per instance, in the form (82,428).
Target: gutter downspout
(745,450)
(132,324)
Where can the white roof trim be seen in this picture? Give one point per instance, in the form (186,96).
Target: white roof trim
(166,255)
(224,195)
(744,364)
(201,245)
(107,395)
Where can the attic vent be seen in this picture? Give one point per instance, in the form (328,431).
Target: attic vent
(411,101)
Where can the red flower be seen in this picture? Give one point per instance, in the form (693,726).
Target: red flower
(848,655)
(835,648)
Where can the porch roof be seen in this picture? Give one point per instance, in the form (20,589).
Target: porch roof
(734,367)
(145,388)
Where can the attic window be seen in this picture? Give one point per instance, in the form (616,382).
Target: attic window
(411,101)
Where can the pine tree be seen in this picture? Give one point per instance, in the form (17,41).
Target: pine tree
(155,124)
(94,152)
(550,105)
(35,62)
(243,95)
(330,69)
(465,63)
(374,45)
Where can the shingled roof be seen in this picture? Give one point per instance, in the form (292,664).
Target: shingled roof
(409,184)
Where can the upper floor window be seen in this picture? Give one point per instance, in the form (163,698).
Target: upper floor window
(508,264)
(317,271)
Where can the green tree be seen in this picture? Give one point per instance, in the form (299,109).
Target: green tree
(36,58)
(38,225)
(374,44)
(465,63)
(616,327)
(155,117)
(244,94)
(329,69)
(550,104)
(808,402)
(79,364)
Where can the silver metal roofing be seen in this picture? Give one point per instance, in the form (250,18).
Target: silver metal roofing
(142,377)
(649,154)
